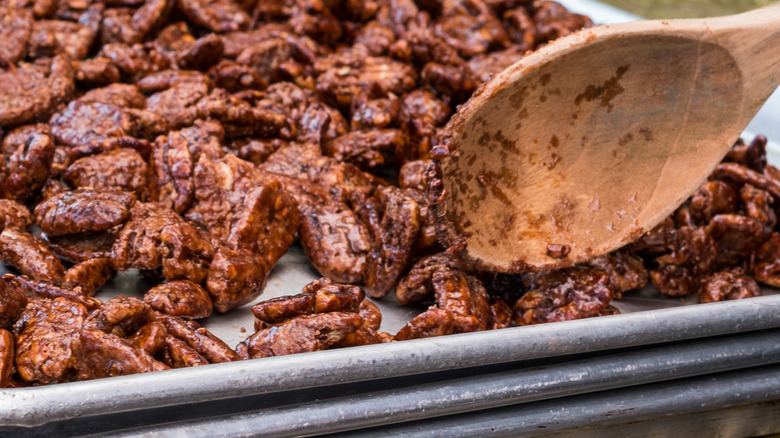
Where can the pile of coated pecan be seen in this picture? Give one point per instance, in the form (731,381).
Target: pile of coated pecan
(193,140)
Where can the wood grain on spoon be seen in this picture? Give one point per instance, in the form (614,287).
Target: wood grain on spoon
(586,144)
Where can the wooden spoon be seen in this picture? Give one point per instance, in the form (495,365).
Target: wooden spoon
(586,144)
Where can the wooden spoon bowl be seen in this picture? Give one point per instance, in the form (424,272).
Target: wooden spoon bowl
(586,144)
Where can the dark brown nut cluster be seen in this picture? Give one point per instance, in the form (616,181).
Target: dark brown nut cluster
(564,295)
(324,315)
(462,302)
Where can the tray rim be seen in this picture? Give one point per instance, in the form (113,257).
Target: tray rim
(36,406)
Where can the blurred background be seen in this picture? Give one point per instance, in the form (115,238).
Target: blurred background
(686,8)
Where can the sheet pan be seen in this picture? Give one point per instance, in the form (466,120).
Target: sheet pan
(648,319)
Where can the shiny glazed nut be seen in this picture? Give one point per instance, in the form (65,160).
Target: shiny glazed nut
(83,210)
(44,337)
(180,298)
(303,333)
(31,256)
(99,354)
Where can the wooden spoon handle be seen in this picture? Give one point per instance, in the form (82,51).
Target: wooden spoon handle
(754,40)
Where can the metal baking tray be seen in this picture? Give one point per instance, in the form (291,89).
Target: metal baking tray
(185,396)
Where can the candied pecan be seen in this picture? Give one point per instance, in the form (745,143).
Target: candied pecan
(244,208)
(752,156)
(280,309)
(89,275)
(30,255)
(335,297)
(266,223)
(255,150)
(464,297)
(236,42)
(500,315)
(42,289)
(44,337)
(171,176)
(427,241)
(122,169)
(32,91)
(483,67)
(14,216)
(421,137)
(376,37)
(423,103)
(6,358)
(180,298)
(413,175)
(119,95)
(710,199)
(520,28)
(563,295)
(366,149)
(177,354)
(238,117)
(368,208)
(736,236)
(626,271)
(95,72)
(472,34)
(83,210)
(150,15)
(448,80)
(138,243)
(374,113)
(150,337)
(340,180)
(316,21)
(268,58)
(235,278)
(416,286)
(374,77)
(553,21)
(186,252)
(392,250)
(319,123)
(371,315)
(202,53)
(22,136)
(738,175)
(728,285)
(82,246)
(215,15)
(757,204)
(121,316)
(336,242)
(28,168)
(12,303)
(364,336)
(204,138)
(99,354)
(177,94)
(14,33)
(674,280)
(302,334)
(765,262)
(53,37)
(233,77)
(432,322)
(117,27)
(134,62)
(200,339)
(92,127)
